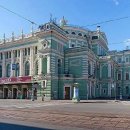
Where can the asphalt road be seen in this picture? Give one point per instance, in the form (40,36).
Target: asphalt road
(64,115)
(120,108)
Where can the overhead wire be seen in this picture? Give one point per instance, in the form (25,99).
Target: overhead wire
(107,21)
(98,23)
(19,15)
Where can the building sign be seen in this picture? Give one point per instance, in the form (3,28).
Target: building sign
(13,66)
(24,79)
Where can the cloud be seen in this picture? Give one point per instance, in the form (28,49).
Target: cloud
(116,2)
(127,42)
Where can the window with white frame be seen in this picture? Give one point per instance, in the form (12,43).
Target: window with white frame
(44,84)
(119,60)
(119,75)
(127,59)
(127,76)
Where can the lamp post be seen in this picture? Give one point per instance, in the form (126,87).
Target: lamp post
(114,87)
(76,93)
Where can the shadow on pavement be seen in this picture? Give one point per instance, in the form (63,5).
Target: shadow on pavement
(93,102)
(7,126)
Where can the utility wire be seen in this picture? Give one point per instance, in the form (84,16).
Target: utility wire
(102,22)
(107,21)
(1,6)
(119,42)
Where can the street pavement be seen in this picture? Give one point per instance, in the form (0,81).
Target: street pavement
(65,115)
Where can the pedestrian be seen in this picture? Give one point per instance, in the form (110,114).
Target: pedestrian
(43,97)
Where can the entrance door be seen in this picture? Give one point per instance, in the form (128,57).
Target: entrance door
(14,93)
(67,92)
(5,93)
(24,93)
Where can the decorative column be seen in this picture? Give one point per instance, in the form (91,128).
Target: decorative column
(31,61)
(21,62)
(48,64)
(12,62)
(3,65)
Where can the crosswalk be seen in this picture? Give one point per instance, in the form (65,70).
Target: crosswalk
(31,105)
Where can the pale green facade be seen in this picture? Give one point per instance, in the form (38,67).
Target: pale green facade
(67,55)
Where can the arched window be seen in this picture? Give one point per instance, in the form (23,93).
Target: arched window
(27,68)
(36,68)
(80,34)
(0,71)
(8,70)
(17,70)
(67,32)
(73,33)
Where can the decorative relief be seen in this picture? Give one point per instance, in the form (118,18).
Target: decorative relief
(45,44)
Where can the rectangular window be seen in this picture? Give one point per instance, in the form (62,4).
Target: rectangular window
(119,76)
(127,59)
(18,53)
(94,37)
(25,51)
(1,56)
(119,60)
(9,54)
(15,53)
(127,76)
(28,51)
(6,55)
(36,50)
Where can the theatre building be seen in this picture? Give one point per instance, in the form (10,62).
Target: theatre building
(49,61)
(28,63)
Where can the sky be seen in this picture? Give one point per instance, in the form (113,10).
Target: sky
(76,12)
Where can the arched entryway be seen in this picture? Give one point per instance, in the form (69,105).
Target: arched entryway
(15,93)
(6,93)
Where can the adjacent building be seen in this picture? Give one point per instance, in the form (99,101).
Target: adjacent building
(49,61)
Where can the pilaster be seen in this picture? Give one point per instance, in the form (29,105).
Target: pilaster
(31,60)
(3,65)
(21,62)
(48,64)
(12,62)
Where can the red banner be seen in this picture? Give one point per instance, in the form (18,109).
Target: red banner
(15,80)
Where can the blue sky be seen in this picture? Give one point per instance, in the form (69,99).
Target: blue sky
(77,12)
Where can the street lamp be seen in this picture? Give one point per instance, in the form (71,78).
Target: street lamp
(114,87)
